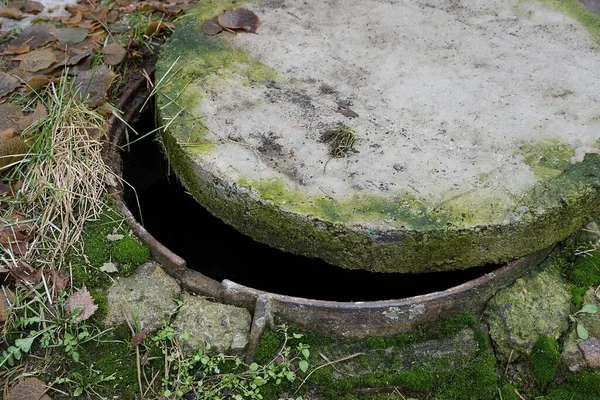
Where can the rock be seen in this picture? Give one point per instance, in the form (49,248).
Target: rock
(571,356)
(591,352)
(537,304)
(147,296)
(224,327)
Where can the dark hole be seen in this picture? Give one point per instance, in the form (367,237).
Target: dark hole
(217,250)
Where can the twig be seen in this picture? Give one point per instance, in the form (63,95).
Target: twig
(519,394)
(500,393)
(325,365)
(508,362)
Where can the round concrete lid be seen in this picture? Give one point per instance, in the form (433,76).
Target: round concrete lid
(391,136)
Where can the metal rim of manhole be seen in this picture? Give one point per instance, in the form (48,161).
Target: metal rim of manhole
(352,320)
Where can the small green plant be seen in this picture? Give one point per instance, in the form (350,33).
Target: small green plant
(218,376)
(589,309)
(545,358)
(33,320)
(86,383)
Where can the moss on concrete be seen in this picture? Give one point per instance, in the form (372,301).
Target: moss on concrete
(545,358)
(131,252)
(535,305)
(190,63)
(579,12)
(547,158)
(423,239)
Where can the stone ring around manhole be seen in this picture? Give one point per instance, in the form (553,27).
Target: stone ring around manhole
(388,136)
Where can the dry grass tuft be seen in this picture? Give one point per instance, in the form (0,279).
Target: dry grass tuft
(64,176)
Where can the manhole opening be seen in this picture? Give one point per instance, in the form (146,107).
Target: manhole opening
(220,252)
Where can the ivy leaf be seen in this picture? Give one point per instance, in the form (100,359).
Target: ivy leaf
(582,332)
(303,365)
(589,309)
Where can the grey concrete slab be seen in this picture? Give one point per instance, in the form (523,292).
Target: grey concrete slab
(467,132)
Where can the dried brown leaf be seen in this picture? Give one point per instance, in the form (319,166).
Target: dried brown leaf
(35,36)
(14,229)
(8,84)
(37,81)
(74,19)
(93,85)
(11,151)
(10,12)
(155,28)
(114,53)
(61,280)
(9,115)
(211,27)
(13,50)
(37,60)
(77,56)
(33,7)
(29,389)
(82,300)
(39,113)
(71,35)
(138,338)
(24,272)
(239,18)
(6,297)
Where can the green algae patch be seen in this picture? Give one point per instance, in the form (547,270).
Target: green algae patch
(190,65)
(579,12)
(546,158)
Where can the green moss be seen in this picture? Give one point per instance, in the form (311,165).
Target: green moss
(269,344)
(580,13)
(97,250)
(112,355)
(583,385)
(130,251)
(508,392)
(443,327)
(545,358)
(429,238)
(191,64)
(547,158)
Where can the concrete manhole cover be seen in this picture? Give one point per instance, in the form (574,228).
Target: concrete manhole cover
(399,136)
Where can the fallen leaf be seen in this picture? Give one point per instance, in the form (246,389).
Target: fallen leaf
(12,151)
(77,56)
(109,268)
(39,113)
(37,82)
(138,338)
(10,12)
(37,60)
(113,53)
(6,297)
(239,18)
(92,86)
(35,35)
(61,280)
(8,84)
(154,28)
(20,49)
(71,35)
(9,115)
(75,18)
(29,389)
(24,272)
(33,7)
(211,27)
(81,300)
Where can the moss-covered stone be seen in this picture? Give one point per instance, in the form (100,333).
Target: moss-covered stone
(537,304)
(545,358)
